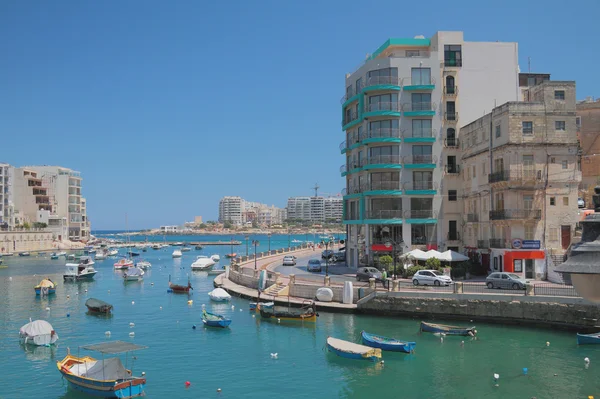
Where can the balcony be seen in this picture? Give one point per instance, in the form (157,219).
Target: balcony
(385,185)
(383,214)
(343,146)
(383,83)
(419,109)
(453,169)
(497,243)
(350,92)
(354,166)
(516,214)
(383,161)
(450,91)
(483,244)
(349,117)
(420,214)
(351,190)
(382,136)
(419,161)
(472,217)
(42,201)
(420,136)
(383,109)
(451,143)
(418,186)
(453,236)
(523,175)
(419,84)
(451,116)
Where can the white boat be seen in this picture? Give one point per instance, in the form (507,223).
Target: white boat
(123,264)
(219,295)
(79,271)
(113,252)
(38,332)
(133,274)
(100,255)
(216,258)
(186,249)
(156,246)
(62,254)
(144,264)
(177,253)
(202,263)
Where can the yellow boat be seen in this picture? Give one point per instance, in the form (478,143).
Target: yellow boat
(268,310)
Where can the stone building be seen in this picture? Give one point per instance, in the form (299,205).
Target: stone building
(588,124)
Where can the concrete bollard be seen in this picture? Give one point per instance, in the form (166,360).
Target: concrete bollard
(277,274)
(255,274)
(372,283)
(388,283)
(529,290)
(458,287)
(395,285)
(327,281)
(292,279)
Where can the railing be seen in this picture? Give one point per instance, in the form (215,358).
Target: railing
(450,90)
(351,166)
(383,106)
(384,159)
(350,216)
(416,107)
(451,116)
(452,63)
(483,244)
(472,217)
(383,133)
(342,145)
(349,93)
(420,185)
(545,289)
(503,175)
(511,174)
(419,159)
(418,82)
(451,143)
(384,80)
(453,169)
(383,214)
(509,214)
(453,236)
(349,117)
(420,214)
(344,191)
(353,190)
(420,133)
(385,185)
(497,243)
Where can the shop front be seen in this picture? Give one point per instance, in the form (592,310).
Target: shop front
(529,264)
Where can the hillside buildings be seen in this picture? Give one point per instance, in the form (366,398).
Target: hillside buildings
(240,212)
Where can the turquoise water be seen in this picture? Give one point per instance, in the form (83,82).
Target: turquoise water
(238,360)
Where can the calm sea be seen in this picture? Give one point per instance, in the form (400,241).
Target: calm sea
(238,360)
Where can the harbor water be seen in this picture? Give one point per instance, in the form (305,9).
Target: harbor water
(238,360)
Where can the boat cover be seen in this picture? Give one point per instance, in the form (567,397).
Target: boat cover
(46,283)
(324,294)
(219,293)
(107,369)
(38,332)
(134,271)
(96,303)
(351,347)
(348,293)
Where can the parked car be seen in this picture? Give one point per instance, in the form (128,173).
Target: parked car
(314,265)
(505,280)
(431,277)
(289,261)
(327,254)
(339,257)
(580,203)
(366,273)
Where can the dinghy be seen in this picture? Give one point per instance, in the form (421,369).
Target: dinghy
(448,330)
(350,350)
(386,344)
(97,306)
(214,320)
(586,339)
(38,332)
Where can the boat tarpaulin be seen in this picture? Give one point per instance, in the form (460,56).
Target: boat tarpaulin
(97,303)
(38,332)
(107,369)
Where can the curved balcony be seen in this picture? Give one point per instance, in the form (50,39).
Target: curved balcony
(343,147)
(420,187)
(420,84)
(419,109)
(349,118)
(384,215)
(376,83)
(419,161)
(383,109)
(420,136)
(420,214)
(383,162)
(348,95)
(353,167)
(386,187)
(451,91)
(353,189)
(385,135)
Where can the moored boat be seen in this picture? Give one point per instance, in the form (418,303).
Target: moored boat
(63,253)
(215,258)
(269,311)
(186,249)
(448,330)
(588,339)
(156,246)
(202,263)
(198,247)
(143,264)
(107,378)
(38,332)
(178,288)
(24,254)
(219,295)
(133,274)
(215,320)
(45,287)
(123,264)
(231,255)
(101,255)
(177,254)
(386,344)
(350,350)
(113,252)
(79,271)
(97,306)
(53,255)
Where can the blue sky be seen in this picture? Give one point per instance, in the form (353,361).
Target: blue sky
(165,107)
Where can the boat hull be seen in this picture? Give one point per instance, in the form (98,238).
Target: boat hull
(87,276)
(588,339)
(448,330)
(312,318)
(387,344)
(215,321)
(373,355)
(38,291)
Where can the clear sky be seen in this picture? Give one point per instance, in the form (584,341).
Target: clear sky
(165,107)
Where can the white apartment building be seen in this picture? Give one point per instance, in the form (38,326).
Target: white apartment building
(30,196)
(239,211)
(6,196)
(401,115)
(315,209)
(231,210)
(298,208)
(333,209)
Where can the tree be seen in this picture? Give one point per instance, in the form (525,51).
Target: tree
(227,224)
(26,226)
(39,225)
(386,261)
(433,263)
(254,224)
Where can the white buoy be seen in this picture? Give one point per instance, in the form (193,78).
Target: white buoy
(547,343)
(133,302)
(132,334)
(253,316)
(190,302)
(85,290)
(203,305)
(240,310)
(232,307)
(48,309)
(143,373)
(131,324)
(278,320)
(496,377)
(151,283)
(442,339)
(462,343)
(218,389)
(587,360)
(161,308)
(107,333)
(273,355)
(68,296)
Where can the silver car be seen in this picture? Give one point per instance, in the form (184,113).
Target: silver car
(431,277)
(505,280)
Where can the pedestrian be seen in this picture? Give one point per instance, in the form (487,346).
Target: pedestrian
(384,278)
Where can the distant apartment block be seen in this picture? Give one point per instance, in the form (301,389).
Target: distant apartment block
(6,197)
(315,209)
(169,229)
(238,211)
(588,126)
(231,209)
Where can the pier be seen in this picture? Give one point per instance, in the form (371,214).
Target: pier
(206,243)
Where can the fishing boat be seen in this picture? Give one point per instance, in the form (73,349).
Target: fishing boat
(143,264)
(198,247)
(269,311)
(107,378)
(79,271)
(350,350)
(202,263)
(177,254)
(131,253)
(448,330)
(586,339)
(24,254)
(38,332)
(215,258)
(186,249)
(215,320)
(97,306)
(219,295)
(133,274)
(232,255)
(53,255)
(178,288)
(45,287)
(123,264)
(386,344)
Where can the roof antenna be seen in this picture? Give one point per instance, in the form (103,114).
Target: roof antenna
(529,64)
(316,188)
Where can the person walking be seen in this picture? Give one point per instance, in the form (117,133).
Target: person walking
(384,278)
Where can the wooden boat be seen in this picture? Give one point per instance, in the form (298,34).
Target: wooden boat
(586,339)
(350,350)
(179,289)
(97,306)
(448,330)
(107,378)
(232,255)
(386,344)
(133,274)
(45,287)
(24,254)
(280,313)
(215,320)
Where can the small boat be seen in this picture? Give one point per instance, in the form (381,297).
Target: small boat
(101,255)
(350,350)
(71,256)
(219,295)
(269,311)
(177,253)
(252,306)
(214,320)
(8,254)
(131,253)
(186,249)
(202,263)
(53,255)
(177,244)
(585,339)
(386,344)
(215,272)
(63,253)
(79,271)
(143,264)
(97,306)
(24,254)
(178,288)
(38,332)
(448,330)
(133,274)
(113,252)
(198,247)
(45,287)
(233,255)
(107,378)
(123,264)
(156,246)
(215,258)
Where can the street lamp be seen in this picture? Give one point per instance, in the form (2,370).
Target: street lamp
(247,238)
(393,244)
(255,243)
(326,242)
(269,235)
(288,240)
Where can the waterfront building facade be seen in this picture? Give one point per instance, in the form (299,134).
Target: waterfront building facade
(239,212)
(6,197)
(401,115)
(230,210)
(30,196)
(315,209)
(588,125)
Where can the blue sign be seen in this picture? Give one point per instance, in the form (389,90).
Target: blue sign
(517,243)
(531,244)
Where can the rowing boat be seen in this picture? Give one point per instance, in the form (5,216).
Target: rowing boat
(350,350)
(585,339)
(387,344)
(215,320)
(448,330)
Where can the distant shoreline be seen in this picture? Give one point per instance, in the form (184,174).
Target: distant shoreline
(217,233)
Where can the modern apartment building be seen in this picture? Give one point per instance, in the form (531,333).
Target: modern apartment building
(298,208)
(315,209)
(231,209)
(588,125)
(520,178)
(239,211)
(401,115)
(6,196)
(30,196)
(333,209)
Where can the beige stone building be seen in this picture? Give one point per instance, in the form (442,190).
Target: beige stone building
(520,178)
(588,124)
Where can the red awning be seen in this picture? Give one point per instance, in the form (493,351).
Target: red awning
(381,248)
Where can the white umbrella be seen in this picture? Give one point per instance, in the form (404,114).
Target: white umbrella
(432,253)
(416,254)
(451,256)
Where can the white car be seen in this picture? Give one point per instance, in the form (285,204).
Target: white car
(430,277)
(289,261)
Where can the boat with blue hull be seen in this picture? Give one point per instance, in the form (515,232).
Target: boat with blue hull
(45,287)
(106,378)
(447,330)
(387,344)
(350,350)
(215,320)
(588,339)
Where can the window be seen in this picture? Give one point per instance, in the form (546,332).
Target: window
(498,131)
(565,164)
(349,92)
(529,232)
(527,127)
(560,125)
(359,85)
(420,76)
(421,154)
(383,76)
(452,167)
(422,234)
(559,94)
(552,160)
(385,128)
(528,202)
(565,201)
(474,171)
(451,137)
(485,207)
(554,236)
(385,181)
(450,88)
(421,102)
(453,55)
(552,201)
(452,195)
(385,154)
(578,122)
(384,102)
(423,180)
(421,128)
(483,168)
(451,111)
